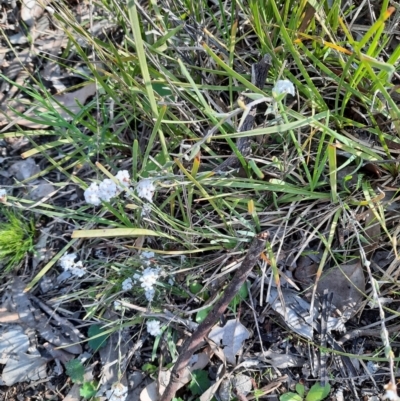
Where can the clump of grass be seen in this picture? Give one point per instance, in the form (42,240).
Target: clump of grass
(16,238)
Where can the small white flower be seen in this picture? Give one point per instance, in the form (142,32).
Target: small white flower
(107,190)
(153,327)
(149,277)
(3,195)
(149,294)
(147,255)
(146,209)
(67,261)
(372,367)
(99,254)
(127,284)
(148,280)
(118,392)
(145,189)
(117,305)
(283,86)
(124,178)
(77,269)
(92,194)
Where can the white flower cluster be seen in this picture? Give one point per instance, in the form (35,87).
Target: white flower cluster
(118,392)
(118,306)
(124,178)
(146,256)
(153,327)
(67,262)
(148,279)
(107,189)
(145,189)
(127,284)
(372,367)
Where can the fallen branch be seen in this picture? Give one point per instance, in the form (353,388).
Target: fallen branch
(192,343)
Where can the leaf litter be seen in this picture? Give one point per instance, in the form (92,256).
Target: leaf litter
(231,338)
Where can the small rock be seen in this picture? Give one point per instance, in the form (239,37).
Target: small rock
(24,169)
(41,190)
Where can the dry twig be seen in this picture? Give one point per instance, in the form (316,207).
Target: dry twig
(192,343)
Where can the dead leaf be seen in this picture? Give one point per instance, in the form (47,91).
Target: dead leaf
(52,44)
(281,360)
(110,354)
(20,303)
(347,283)
(305,271)
(149,393)
(55,336)
(241,383)
(209,394)
(66,105)
(231,337)
(8,317)
(57,353)
(16,141)
(13,341)
(24,367)
(31,10)
(42,254)
(198,361)
(69,100)
(308,16)
(269,388)
(214,349)
(101,26)
(296,311)
(31,319)
(74,394)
